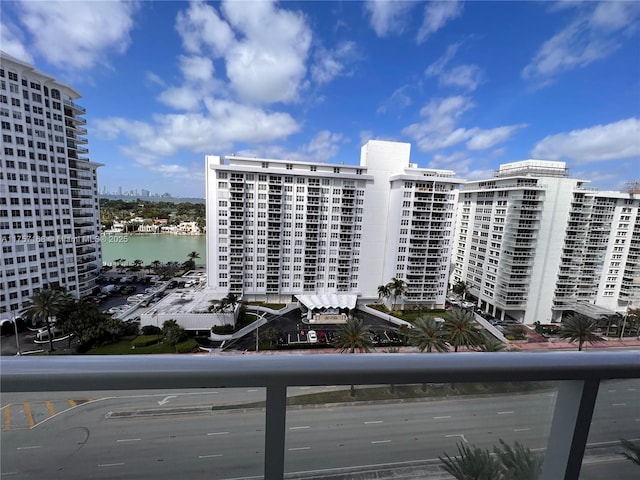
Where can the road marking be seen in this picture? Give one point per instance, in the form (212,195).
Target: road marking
(210,456)
(27,413)
(29,448)
(521,429)
(505,413)
(440,418)
(299,428)
(252,390)
(72,403)
(380,441)
(129,440)
(610,391)
(298,448)
(217,433)
(166,399)
(304,388)
(631,389)
(7,419)
(50,409)
(110,464)
(618,404)
(374,421)
(461,435)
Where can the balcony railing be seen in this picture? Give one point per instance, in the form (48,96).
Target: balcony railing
(579,375)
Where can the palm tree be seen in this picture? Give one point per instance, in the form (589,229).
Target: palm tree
(383,292)
(45,304)
(492,344)
(472,463)
(397,287)
(137,263)
(460,329)
(580,328)
(156,265)
(632,452)
(461,288)
(351,337)
(518,462)
(427,334)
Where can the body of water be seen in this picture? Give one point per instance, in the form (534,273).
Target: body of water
(148,248)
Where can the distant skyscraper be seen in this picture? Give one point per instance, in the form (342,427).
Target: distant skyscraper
(119,190)
(49,211)
(145,193)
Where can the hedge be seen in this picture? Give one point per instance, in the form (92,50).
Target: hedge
(145,340)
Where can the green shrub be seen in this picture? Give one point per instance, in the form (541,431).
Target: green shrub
(145,340)
(151,330)
(187,346)
(223,329)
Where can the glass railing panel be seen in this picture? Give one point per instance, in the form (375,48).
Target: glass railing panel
(616,416)
(203,433)
(406,428)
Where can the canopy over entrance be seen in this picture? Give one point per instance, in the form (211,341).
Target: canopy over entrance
(329,308)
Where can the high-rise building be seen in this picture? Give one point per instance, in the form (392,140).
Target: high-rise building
(279,228)
(49,211)
(532,242)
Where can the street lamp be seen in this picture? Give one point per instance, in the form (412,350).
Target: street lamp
(15,327)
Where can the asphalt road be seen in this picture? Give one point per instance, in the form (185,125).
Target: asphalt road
(90,442)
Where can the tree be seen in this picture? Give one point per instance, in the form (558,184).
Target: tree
(397,287)
(492,344)
(383,292)
(172,333)
(137,263)
(428,334)
(580,328)
(271,334)
(632,451)
(461,288)
(472,463)
(190,264)
(518,462)
(351,337)
(460,329)
(156,264)
(45,304)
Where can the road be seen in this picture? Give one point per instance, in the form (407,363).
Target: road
(87,442)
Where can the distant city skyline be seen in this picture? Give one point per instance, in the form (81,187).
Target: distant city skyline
(470,85)
(139,192)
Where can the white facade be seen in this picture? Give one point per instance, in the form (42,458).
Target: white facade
(278,228)
(531,241)
(49,211)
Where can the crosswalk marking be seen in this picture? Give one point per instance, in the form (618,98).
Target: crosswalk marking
(30,414)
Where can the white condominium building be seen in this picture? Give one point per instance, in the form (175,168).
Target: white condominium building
(278,228)
(532,242)
(49,212)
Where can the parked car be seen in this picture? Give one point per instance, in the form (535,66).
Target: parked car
(322,337)
(312,337)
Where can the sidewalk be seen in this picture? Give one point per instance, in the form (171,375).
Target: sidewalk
(629,343)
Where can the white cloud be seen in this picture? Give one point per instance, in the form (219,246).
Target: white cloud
(324,146)
(613,141)
(90,30)
(388,17)
(398,100)
(365,136)
(12,42)
(439,128)
(332,63)
(595,33)
(463,76)
(201,27)
(155,79)
(436,15)
(267,64)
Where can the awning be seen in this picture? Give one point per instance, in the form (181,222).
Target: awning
(316,302)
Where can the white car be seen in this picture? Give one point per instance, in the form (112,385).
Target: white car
(312,337)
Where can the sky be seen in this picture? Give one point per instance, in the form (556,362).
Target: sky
(470,84)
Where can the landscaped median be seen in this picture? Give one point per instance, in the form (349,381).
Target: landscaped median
(143,344)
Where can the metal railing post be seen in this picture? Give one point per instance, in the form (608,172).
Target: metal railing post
(569,429)
(274,437)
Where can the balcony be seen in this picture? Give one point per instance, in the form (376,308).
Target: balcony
(277,441)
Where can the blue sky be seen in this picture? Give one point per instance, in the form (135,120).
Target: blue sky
(469,84)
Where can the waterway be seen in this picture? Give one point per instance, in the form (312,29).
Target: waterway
(148,248)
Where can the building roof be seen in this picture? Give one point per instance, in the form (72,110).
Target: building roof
(328,301)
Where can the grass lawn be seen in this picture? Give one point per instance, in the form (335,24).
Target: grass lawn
(123,347)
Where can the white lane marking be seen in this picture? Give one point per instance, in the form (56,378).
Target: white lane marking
(129,440)
(380,441)
(610,391)
(631,389)
(505,413)
(521,429)
(210,456)
(461,435)
(440,418)
(299,428)
(110,464)
(304,388)
(374,421)
(618,404)
(29,448)
(293,449)
(252,390)
(3,474)
(166,399)
(217,433)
